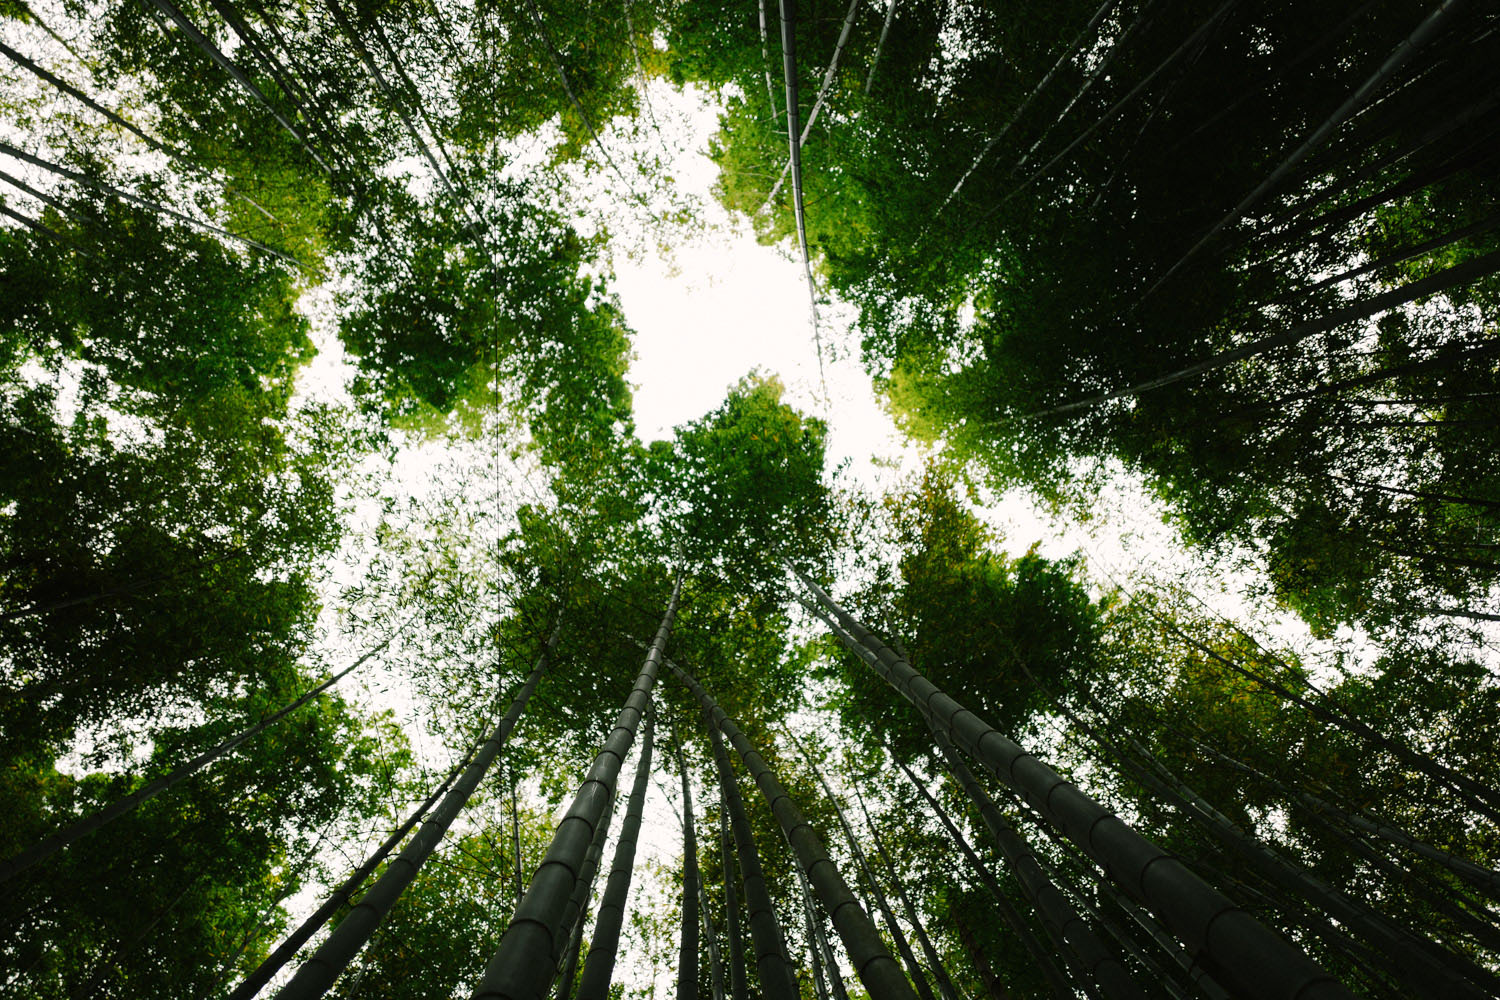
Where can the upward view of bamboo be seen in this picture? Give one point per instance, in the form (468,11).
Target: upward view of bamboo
(1247,253)
(523,965)
(1253,958)
(325,965)
(598,967)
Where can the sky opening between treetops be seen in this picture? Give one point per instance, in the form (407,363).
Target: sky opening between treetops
(846,499)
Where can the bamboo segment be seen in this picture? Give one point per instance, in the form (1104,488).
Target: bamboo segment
(1251,958)
(522,967)
(879,972)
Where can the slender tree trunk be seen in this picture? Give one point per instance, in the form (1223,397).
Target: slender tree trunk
(1333,34)
(604,942)
(256,981)
(1009,915)
(1405,955)
(1484,879)
(522,966)
(934,963)
(1254,960)
(687,950)
(88,180)
(1442,362)
(892,926)
(1015,116)
(210,50)
(820,985)
(1097,73)
(812,116)
(794,145)
(739,988)
(885,29)
(46,231)
(992,985)
(252,40)
(823,956)
(515,835)
(51,845)
(62,209)
(347,27)
(562,75)
(1197,38)
(1481,798)
(711,941)
(765,59)
(326,964)
(1464,273)
(319,119)
(879,972)
(84,99)
(777,980)
(1074,936)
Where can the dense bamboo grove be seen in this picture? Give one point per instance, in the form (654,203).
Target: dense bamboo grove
(579,715)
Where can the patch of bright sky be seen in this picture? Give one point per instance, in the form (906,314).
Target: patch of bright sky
(723,304)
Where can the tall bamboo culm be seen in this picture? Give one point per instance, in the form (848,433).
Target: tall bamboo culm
(523,965)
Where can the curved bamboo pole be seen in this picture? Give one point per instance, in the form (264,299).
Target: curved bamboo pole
(879,972)
(604,943)
(1253,959)
(523,965)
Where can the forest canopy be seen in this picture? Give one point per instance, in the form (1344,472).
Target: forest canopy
(356,641)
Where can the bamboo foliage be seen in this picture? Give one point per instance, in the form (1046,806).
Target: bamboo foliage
(82,828)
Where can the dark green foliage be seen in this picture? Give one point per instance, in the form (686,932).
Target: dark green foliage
(445,307)
(744,487)
(1009,246)
(985,627)
(177,895)
(1052,283)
